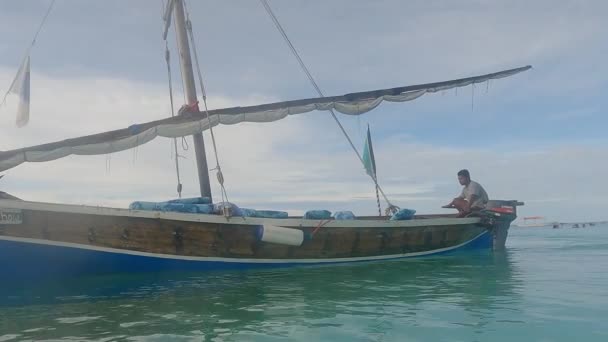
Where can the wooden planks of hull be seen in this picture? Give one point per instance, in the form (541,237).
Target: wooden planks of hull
(213,239)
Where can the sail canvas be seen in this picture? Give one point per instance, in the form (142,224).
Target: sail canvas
(21,88)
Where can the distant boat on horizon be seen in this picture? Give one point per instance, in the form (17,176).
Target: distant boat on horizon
(535,222)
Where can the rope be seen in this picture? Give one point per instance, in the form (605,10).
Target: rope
(472,96)
(319,226)
(320,93)
(46,15)
(170,80)
(219,174)
(378,201)
(185,145)
(27,51)
(168,61)
(108,163)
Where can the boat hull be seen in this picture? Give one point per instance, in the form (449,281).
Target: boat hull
(26,259)
(51,240)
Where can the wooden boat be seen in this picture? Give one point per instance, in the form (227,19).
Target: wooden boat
(39,239)
(50,239)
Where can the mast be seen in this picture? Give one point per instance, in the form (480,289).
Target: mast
(190,90)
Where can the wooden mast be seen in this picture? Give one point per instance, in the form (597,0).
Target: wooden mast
(190,90)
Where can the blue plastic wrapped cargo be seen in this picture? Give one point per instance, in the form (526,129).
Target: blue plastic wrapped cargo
(263,213)
(317,215)
(271,214)
(403,214)
(248,212)
(186,208)
(141,205)
(344,215)
(172,207)
(192,200)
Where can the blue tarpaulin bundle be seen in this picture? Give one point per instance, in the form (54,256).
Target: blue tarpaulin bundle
(271,214)
(317,215)
(344,215)
(141,205)
(264,213)
(192,200)
(248,212)
(173,206)
(202,205)
(403,214)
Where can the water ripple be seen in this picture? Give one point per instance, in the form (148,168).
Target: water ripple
(550,285)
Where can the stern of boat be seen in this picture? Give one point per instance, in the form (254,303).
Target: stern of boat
(497,217)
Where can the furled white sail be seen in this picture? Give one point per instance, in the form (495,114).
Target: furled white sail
(190,123)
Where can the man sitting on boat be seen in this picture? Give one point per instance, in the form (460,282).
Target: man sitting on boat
(473,197)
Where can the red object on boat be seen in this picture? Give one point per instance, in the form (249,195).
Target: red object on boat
(503,210)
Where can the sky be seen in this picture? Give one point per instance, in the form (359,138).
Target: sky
(539,137)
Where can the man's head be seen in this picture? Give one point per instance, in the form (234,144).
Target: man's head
(464,178)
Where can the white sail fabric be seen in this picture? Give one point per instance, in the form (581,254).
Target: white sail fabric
(21,88)
(140,134)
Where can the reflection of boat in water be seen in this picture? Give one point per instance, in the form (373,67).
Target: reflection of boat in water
(274,299)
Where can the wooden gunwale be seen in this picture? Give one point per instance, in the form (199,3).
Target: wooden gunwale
(367,222)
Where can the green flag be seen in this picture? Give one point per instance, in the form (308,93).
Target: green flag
(368,155)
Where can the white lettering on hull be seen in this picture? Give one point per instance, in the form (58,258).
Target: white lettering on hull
(11,216)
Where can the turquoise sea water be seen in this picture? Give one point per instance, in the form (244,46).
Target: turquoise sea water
(551,285)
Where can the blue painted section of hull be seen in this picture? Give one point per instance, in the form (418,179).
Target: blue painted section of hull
(23,260)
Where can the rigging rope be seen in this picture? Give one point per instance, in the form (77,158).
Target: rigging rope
(168,60)
(46,15)
(391,207)
(378,201)
(29,48)
(218,168)
(170,81)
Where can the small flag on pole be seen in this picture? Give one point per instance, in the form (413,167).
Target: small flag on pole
(369,162)
(21,88)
